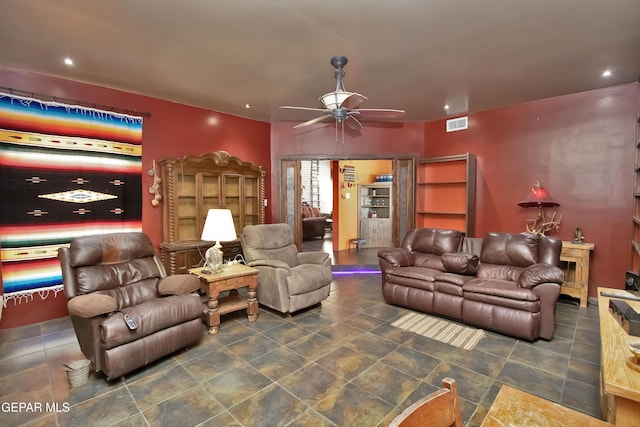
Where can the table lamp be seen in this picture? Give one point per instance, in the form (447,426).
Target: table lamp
(539,198)
(218,227)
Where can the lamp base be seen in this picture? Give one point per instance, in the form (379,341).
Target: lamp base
(213,259)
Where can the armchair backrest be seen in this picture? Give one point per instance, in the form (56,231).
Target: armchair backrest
(427,244)
(269,241)
(121,265)
(505,255)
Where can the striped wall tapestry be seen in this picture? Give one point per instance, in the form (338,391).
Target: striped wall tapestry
(65,171)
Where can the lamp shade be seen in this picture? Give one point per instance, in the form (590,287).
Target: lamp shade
(219,227)
(538,198)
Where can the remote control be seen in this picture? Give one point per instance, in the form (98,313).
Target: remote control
(621,296)
(131,324)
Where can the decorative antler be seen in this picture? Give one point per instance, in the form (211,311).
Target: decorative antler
(542,224)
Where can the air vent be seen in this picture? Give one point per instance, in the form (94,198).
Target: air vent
(457,124)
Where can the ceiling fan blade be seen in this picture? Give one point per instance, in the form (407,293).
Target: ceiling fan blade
(380,113)
(353,101)
(353,123)
(288,107)
(312,121)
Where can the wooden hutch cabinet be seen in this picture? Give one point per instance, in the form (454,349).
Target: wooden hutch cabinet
(192,185)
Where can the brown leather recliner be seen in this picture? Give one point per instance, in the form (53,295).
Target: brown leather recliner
(109,276)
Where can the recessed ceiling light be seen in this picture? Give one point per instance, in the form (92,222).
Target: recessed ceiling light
(446,107)
(247,106)
(606,73)
(68,61)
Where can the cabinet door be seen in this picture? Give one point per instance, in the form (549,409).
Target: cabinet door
(232,198)
(252,206)
(186,208)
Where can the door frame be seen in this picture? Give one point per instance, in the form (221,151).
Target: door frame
(403,170)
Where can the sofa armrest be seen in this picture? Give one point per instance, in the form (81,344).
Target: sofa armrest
(548,294)
(536,274)
(312,257)
(273,263)
(91,305)
(178,284)
(397,257)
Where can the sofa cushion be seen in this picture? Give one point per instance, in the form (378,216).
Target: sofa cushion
(456,279)
(510,249)
(306,278)
(460,263)
(499,288)
(433,241)
(540,273)
(428,261)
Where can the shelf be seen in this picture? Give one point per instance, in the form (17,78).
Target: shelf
(445,193)
(440,213)
(442,182)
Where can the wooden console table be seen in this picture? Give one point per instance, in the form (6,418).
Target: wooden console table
(231,278)
(513,407)
(574,259)
(619,383)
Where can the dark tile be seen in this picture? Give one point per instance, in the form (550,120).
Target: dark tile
(363,321)
(351,406)
(213,364)
(312,346)
(472,386)
(187,408)
(392,333)
(542,359)
(372,344)
(252,347)
(535,381)
(582,397)
(583,371)
(496,344)
(411,362)
(387,383)
(284,334)
(587,352)
(312,383)
(346,363)
(383,311)
(272,406)
(587,336)
(340,333)
(279,363)
(478,361)
(233,386)
(311,418)
(156,388)
(99,411)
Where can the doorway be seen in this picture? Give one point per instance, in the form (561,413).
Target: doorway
(402,184)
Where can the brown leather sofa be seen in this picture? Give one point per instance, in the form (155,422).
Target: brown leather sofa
(313,223)
(109,276)
(508,283)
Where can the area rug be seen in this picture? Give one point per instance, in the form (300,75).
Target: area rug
(441,330)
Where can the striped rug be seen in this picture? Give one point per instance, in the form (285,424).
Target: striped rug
(441,330)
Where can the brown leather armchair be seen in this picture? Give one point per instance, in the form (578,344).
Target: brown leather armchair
(111,278)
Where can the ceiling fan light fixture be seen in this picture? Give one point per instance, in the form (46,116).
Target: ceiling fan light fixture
(333,100)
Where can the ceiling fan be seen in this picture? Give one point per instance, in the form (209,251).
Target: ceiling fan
(343,105)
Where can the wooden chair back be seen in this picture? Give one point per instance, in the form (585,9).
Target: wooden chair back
(438,409)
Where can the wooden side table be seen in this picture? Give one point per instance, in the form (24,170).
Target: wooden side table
(231,278)
(574,259)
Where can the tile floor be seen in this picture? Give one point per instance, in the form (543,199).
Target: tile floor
(340,363)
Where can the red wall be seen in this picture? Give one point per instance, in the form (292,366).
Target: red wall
(173,130)
(580,147)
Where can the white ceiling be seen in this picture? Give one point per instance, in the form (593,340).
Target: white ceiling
(416,55)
